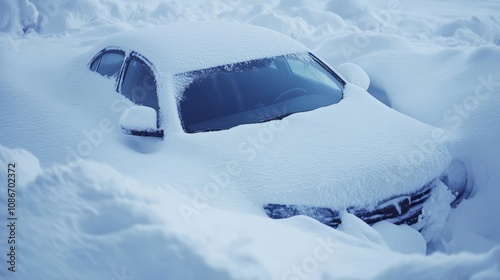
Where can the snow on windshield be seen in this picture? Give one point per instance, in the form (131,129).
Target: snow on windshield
(255,91)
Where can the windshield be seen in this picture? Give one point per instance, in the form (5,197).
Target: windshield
(256,91)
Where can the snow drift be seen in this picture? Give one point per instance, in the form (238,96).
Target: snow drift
(88,221)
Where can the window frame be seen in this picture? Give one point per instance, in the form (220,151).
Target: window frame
(128,58)
(129,55)
(121,77)
(104,51)
(329,69)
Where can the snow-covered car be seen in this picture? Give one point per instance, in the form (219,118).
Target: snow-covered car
(241,116)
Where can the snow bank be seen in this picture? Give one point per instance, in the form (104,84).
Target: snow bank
(99,224)
(472,30)
(439,266)
(457,89)
(403,238)
(62,16)
(92,222)
(309,22)
(18,16)
(349,9)
(26,165)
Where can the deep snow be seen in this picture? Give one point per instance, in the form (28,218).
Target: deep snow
(436,62)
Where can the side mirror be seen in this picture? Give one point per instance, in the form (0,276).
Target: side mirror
(355,75)
(140,121)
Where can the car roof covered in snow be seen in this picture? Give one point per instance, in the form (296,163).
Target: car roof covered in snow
(183,47)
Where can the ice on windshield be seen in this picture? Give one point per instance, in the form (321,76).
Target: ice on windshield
(257,91)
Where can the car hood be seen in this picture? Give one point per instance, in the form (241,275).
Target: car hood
(354,153)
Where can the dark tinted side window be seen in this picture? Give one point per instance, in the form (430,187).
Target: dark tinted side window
(109,63)
(139,84)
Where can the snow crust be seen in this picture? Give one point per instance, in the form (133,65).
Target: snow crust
(86,220)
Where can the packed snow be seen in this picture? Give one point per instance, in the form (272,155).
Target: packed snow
(436,62)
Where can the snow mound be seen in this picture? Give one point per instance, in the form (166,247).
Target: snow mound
(103,224)
(439,266)
(348,9)
(436,210)
(401,238)
(354,226)
(354,74)
(472,30)
(18,16)
(25,165)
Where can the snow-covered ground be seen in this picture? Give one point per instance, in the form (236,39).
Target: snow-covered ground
(434,61)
